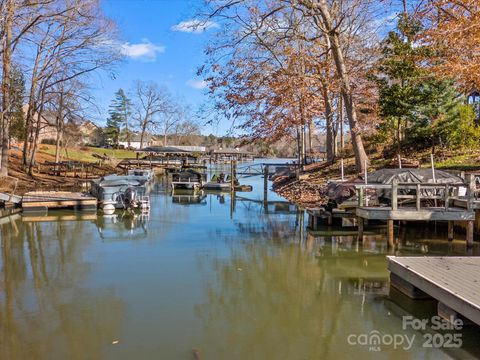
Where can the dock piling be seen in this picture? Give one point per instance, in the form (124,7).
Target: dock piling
(450,230)
(265,183)
(390,233)
(470,224)
(360,228)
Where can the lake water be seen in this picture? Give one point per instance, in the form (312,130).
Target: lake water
(209,279)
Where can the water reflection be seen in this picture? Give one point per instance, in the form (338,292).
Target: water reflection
(125,225)
(301,296)
(234,277)
(189,197)
(45,311)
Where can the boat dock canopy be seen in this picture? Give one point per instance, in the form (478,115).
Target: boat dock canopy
(453,281)
(175,150)
(387,176)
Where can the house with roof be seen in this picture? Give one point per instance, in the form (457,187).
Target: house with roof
(148,140)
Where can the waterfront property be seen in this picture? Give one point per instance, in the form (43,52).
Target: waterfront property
(403,196)
(191,274)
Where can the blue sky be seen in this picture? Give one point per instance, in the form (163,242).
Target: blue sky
(158,48)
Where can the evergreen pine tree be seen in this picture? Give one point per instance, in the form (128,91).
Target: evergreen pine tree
(118,122)
(417,108)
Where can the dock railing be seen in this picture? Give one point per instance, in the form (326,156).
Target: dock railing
(421,191)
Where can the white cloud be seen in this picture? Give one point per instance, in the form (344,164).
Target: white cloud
(194,26)
(197,84)
(145,50)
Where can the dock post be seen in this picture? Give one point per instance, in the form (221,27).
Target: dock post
(265,184)
(394,194)
(390,233)
(450,230)
(232,175)
(360,228)
(470,180)
(470,224)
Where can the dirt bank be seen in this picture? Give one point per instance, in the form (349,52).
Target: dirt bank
(39,181)
(309,190)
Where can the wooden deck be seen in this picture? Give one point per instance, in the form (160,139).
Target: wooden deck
(317,214)
(42,200)
(419,202)
(453,281)
(412,214)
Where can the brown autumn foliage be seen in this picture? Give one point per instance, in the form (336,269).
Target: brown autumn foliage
(453,31)
(269,99)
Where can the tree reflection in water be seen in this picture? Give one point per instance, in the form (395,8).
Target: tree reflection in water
(46,311)
(282,294)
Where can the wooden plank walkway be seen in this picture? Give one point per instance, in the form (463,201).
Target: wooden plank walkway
(40,200)
(453,281)
(412,214)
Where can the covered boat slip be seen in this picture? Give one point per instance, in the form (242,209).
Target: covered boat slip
(187,179)
(453,281)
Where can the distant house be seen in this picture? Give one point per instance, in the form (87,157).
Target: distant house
(48,129)
(148,140)
(90,132)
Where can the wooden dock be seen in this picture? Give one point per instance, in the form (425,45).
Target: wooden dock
(417,202)
(453,281)
(315,215)
(44,200)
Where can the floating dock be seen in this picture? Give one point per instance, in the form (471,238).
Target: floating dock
(453,281)
(44,200)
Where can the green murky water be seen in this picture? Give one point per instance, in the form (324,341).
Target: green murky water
(205,278)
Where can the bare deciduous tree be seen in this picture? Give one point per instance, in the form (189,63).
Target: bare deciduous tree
(151,105)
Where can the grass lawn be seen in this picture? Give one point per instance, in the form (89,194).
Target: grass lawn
(467,162)
(85,154)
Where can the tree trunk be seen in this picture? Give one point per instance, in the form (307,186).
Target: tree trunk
(58,144)
(30,110)
(330,146)
(310,132)
(142,134)
(299,151)
(340,116)
(7,55)
(59,124)
(346,91)
(33,151)
(303,157)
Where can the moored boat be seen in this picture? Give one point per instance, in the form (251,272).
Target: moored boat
(146,173)
(121,192)
(217,186)
(187,179)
